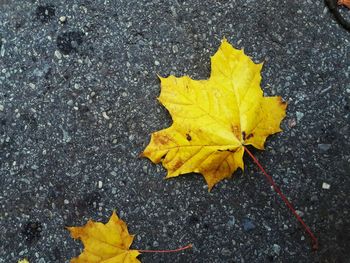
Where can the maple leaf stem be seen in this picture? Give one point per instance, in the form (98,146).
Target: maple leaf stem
(165,251)
(285,200)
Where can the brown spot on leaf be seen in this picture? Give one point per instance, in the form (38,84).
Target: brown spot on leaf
(243,135)
(188,137)
(177,165)
(250,136)
(247,137)
(281,102)
(160,139)
(236,131)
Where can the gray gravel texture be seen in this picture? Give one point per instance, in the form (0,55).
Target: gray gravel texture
(78,90)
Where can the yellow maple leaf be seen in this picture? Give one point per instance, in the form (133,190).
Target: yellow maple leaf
(213,119)
(107,243)
(23,261)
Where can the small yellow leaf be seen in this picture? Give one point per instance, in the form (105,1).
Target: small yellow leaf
(213,119)
(23,261)
(107,243)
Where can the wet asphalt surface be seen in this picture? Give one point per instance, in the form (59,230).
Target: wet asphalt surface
(78,88)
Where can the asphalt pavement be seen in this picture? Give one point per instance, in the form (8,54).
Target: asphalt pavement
(78,89)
